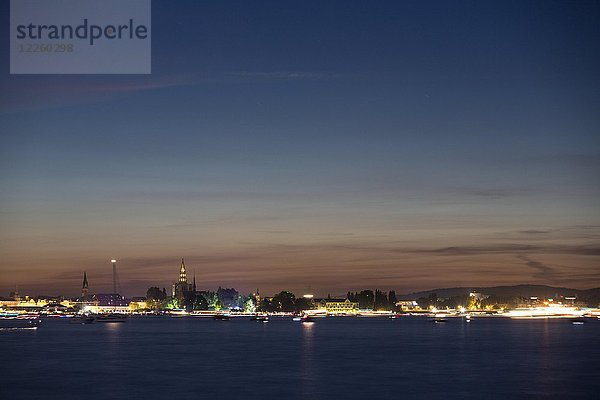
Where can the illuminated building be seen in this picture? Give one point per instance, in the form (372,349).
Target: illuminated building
(138,303)
(478,296)
(408,305)
(338,306)
(29,303)
(107,303)
(182,286)
(257,298)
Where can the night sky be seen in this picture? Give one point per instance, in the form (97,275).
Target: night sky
(318,146)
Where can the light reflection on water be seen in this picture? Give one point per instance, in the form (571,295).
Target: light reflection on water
(308,368)
(331,358)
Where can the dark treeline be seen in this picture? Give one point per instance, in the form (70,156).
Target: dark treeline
(283,301)
(378,300)
(286,301)
(489,302)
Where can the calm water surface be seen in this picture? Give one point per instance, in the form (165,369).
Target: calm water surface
(333,358)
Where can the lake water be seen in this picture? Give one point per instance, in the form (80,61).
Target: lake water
(333,358)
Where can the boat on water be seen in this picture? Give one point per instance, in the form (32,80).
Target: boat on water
(202,314)
(259,318)
(438,320)
(9,321)
(179,313)
(371,314)
(221,317)
(82,319)
(111,318)
(307,318)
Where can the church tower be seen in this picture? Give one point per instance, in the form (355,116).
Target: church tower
(181,286)
(182,274)
(84,287)
(257,299)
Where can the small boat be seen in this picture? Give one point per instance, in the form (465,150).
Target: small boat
(307,318)
(259,318)
(578,321)
(179,313)
(202,314)
(111,318)
(82,319)
(438,320)
(221,317)
(297,319)
(10,321)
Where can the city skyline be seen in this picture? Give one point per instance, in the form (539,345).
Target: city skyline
(336,146)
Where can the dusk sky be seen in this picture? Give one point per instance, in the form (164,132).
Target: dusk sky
(319,146)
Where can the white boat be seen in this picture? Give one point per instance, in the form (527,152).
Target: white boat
(259,318)
(370,313)
(178,313)
(9,321)
(202,314)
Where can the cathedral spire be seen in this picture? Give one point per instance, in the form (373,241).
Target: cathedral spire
(194,284)
(84,286)
(182,274)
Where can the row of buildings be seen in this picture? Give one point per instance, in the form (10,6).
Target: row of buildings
(182,288)
(114,302)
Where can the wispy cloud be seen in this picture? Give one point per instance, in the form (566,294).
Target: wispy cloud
(542,271)
(345,264)
(37,94)
(535,232)
(584,250)
(282,75)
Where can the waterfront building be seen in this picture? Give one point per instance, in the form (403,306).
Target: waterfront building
(37,304)
(107,303)
(181,287)
(138,303)
(7,303)
(338,306)
(408,305)
(478,296)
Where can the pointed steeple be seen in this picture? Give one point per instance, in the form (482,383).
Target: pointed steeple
(182,274)
(84,286)
(194,284)
(85,281)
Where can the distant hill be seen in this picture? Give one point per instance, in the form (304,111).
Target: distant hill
(509,291)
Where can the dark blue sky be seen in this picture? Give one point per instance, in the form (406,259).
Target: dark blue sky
(329,145)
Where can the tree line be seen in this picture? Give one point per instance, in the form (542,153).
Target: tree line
(283,301)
